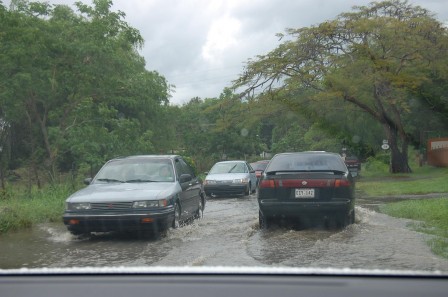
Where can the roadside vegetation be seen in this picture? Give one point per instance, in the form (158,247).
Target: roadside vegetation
(431,217)
(377,181)
(430,214)
(22,208)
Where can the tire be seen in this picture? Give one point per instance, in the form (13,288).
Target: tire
(263,221)
(352,217)
(254,189)
(343,220)
(200,212)
(176,221)
(247,190)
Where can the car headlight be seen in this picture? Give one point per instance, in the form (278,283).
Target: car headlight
(209,182)
(241,181)
(150,203)
(78,206)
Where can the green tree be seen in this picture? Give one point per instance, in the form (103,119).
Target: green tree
(74,86)
(373,59)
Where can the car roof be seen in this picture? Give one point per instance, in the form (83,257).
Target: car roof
(261,161)
(232,161)
(308,153)
(148,157)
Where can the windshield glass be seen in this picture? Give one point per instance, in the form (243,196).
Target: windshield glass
(131,170)
(228,167)
(137,134)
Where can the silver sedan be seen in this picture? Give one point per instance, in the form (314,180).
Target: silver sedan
(230,178)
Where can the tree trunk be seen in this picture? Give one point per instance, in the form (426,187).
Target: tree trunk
(41,118)
(398,158)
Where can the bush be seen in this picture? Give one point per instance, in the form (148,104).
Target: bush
(25,207)
(377,165)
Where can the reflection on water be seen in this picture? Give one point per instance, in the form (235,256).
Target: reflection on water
(50,245)
(229,235)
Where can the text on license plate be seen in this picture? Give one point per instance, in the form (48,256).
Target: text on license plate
(304,193)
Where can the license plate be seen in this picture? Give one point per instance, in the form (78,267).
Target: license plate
(304,193)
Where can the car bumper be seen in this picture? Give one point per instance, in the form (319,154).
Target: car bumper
(222,190)
(104,222)
(294,209)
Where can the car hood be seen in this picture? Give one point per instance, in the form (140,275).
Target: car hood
(227,176)
(111,192)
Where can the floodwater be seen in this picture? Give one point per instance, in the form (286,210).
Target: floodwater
(229,235)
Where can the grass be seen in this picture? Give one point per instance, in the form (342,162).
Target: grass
(21,208)
(424,180)
(431,216)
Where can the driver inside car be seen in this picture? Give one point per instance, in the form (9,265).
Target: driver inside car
(166,174)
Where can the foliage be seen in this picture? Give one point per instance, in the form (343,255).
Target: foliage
(371,60)
(377,165)
(74,88)
(74,92)
(23,208)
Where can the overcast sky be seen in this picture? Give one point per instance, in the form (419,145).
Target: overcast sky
(200,46)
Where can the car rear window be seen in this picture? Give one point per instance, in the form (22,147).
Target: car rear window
(306,162)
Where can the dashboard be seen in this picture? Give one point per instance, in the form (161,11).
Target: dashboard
(198,284)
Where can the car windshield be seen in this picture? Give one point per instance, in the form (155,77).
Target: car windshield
(136,170)
(137,135)
(228,167)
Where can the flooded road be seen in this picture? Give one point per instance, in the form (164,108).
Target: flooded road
(229,235)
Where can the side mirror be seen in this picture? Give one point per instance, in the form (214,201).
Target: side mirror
(185,178)
(87,181)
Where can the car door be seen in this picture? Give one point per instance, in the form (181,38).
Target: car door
(191,189)
(252,176)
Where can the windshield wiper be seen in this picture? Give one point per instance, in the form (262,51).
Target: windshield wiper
(232,168)
(110,180)
(139,180)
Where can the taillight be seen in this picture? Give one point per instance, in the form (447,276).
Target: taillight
(341,183)
(267,183)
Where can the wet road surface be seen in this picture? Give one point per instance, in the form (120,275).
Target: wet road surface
(229,235)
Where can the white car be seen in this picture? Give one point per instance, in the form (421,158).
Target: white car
(228,178)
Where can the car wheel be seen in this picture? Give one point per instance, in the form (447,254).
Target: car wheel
(247,190)
(263,221)
(352,217)
(254,189)
(176,221)
(342,220)
(200,211)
